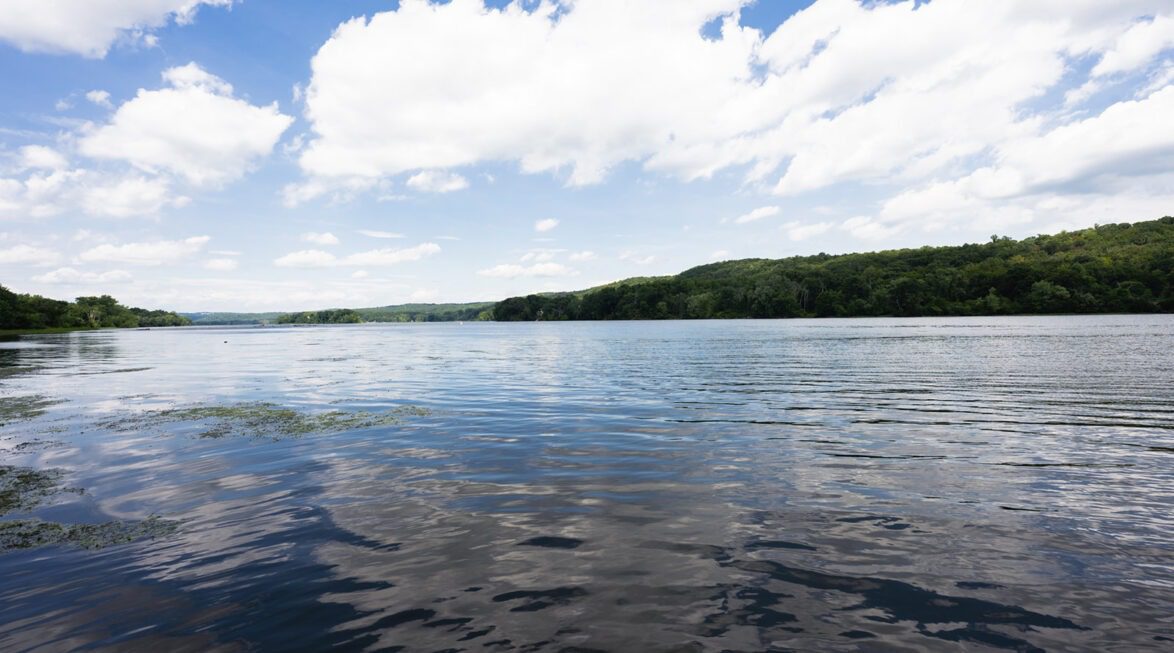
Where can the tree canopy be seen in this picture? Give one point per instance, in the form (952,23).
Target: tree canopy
(1113,268)
(22,311)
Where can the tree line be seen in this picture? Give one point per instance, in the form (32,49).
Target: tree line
(401,313)
(330,316)
(1114,268)
(24,311)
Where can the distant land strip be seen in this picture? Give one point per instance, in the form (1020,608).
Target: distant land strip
(1111,268)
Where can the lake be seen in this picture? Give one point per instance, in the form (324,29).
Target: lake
(863,484)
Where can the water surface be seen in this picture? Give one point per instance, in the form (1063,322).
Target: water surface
(870,484)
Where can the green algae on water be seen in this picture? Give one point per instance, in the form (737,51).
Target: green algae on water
(22,408)
(31,533)
(6,372)
(264,419)
(25,488)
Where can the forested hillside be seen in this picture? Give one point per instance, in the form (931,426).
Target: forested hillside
(400,313)
(18,311)
(1114,268)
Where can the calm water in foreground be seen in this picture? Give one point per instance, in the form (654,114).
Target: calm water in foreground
(918,484)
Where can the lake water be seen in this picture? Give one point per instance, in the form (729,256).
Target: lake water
(871,484)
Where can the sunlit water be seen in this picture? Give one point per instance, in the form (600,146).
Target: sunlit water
(916,484)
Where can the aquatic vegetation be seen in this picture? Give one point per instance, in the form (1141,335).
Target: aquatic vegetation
(6,372)
(31,533)
(22,408)
(24,488)
(264,419)
(30,445)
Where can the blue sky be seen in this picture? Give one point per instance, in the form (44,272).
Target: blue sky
(284,155)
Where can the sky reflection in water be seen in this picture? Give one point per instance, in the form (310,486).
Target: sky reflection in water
(831,485)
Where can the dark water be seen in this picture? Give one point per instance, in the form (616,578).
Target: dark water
(936,484)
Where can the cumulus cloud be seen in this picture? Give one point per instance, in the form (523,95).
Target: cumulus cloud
(28,255)
(90,27)
(437,181)
(585,255)
(193,128)
(129,196)
(100,98)
(543,226)
(325,238)
(1099,155)
(513,271)
(757,214)
(314,258)
(221,264)
(1137,46)
(45,192)
(829,97)
(41,157)
(71,276)
(152,253)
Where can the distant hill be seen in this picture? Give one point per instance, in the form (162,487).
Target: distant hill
(396,313)
(1114,268)
(210,319)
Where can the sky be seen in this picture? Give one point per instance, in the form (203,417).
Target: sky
(258,155)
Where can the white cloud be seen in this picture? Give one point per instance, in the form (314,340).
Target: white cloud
(541,255)
(513,271)
(360,274)
(585,255)
(221,264)
(340,190)
(372,233)
(633,257)
(1103,155)
(798,231)
(1137,47)
(757,214)
(313,258)
(70,276)
(378,257)
(42,193)
(832,96)
(543,226)
(720,255)
(150,253)
(130,196)
(90,27)
(437,181)
(326,238)
(867,228)
(306,258)
(100,98)
(41,157)
(28,255)
(194,128)
(224,252)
